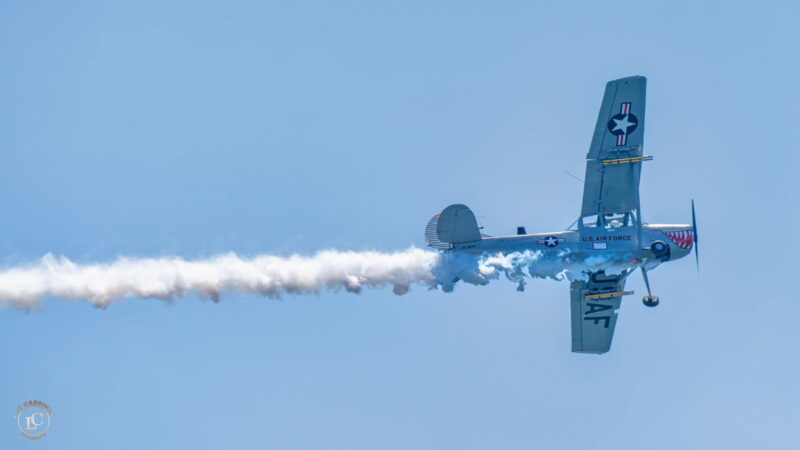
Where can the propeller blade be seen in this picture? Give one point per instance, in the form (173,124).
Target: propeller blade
(694,231)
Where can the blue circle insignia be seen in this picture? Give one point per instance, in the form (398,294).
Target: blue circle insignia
(623,124)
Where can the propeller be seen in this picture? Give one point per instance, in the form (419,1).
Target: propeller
(694,231)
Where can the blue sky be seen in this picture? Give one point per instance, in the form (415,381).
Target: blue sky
(195,128)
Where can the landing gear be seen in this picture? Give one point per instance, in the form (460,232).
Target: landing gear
(650,300)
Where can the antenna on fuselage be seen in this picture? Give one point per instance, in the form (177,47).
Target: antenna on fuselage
(579,179)
(573,176)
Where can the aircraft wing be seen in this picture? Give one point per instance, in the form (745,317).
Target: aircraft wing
(614,160)
(594,305)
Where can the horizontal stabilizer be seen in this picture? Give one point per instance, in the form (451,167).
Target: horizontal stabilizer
(455,225)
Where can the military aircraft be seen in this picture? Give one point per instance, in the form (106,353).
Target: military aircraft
(609,227)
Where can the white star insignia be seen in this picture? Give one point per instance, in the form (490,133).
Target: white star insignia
(623,124)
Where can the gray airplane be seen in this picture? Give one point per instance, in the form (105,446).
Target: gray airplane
(609,240)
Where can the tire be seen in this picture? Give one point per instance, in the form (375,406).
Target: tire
(651,301)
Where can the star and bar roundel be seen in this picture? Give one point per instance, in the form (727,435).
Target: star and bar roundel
(623,124)
(551,241)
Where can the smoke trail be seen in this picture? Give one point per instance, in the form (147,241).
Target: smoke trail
(167,278)
(275,276)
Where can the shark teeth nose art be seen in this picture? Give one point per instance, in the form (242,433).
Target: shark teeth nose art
(683,239)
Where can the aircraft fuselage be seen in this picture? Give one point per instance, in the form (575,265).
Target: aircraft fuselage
(621,246)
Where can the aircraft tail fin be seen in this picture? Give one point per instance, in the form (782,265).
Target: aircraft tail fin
(620,123)
(456,224)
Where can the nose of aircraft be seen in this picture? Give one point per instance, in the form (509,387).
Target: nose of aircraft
(683,237)
(681,241)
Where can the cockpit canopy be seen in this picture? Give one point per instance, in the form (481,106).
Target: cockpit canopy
(609,221)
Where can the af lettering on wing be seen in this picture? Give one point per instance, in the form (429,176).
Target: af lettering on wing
(594,308)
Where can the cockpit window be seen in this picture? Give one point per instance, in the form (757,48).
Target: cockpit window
(589,221)
(610,221)
(616,220)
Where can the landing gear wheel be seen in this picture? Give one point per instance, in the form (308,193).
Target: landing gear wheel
(650,300)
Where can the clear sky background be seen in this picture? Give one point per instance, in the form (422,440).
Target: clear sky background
(155,128)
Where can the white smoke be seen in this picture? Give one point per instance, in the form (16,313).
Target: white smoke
(167,278)
(274,276)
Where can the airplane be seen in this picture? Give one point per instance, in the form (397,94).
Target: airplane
(609,227)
